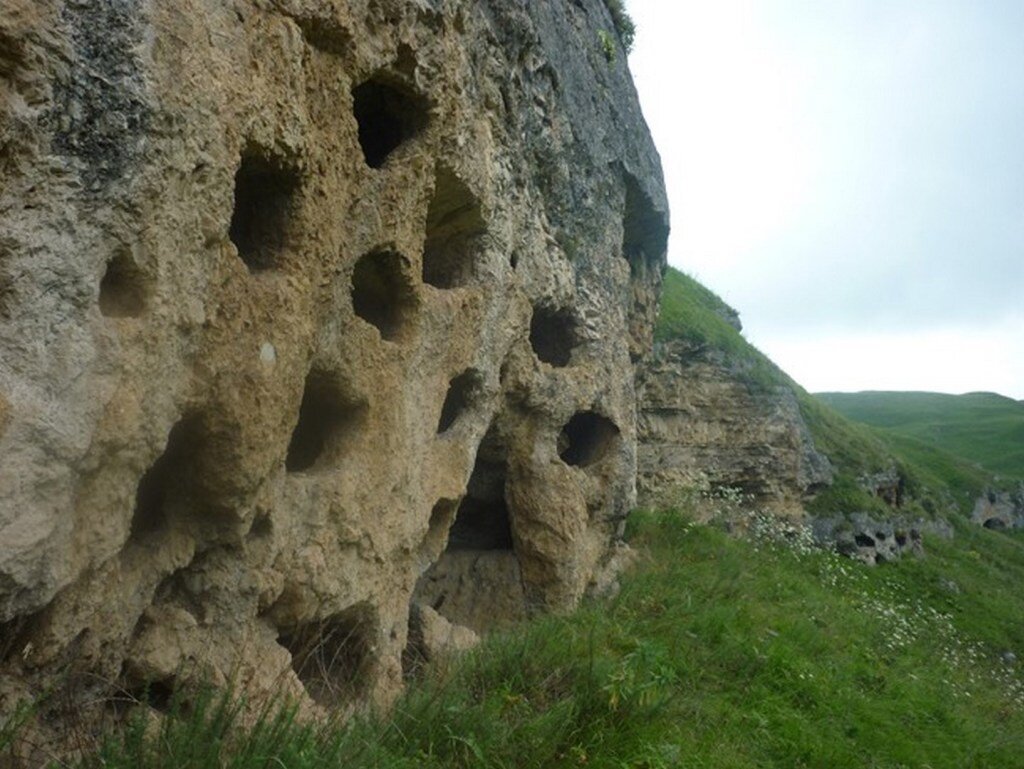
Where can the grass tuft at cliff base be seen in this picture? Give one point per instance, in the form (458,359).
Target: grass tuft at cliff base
(717,653)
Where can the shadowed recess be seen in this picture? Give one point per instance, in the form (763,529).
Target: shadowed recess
(382,292)
(388,114)
(553,335)
(166,486)
(455,226)
(264,207)
(463,391)
(332,657)
(644,230)
(123,289)
(587,438)
(482,521)
(328,417)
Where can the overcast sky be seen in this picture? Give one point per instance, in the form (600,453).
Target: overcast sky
(850,176)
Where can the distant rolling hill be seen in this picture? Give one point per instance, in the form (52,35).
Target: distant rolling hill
(983,427)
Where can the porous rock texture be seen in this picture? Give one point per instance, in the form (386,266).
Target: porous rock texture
(1000,509)
(309,310)
(703,425)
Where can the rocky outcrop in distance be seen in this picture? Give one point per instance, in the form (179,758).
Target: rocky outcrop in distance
(310,311)
(1000,509)
(702,425)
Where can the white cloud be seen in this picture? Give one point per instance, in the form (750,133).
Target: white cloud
(850,172)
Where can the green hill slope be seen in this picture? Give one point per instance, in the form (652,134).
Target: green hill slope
(718,653)
(983,427)
(936,477)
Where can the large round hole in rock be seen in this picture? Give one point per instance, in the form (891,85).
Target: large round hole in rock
(167,485)
(382,293)
(864,540)
(455,226)
(123,288)
(264,206)
(587,438)
(387,114)
(463,390)
(553,335)
(332,657)
(482,521)
(327,418)
(997,524)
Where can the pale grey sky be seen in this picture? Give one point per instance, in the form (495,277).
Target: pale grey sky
(850,176)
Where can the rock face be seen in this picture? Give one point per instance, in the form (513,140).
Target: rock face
(702,425)
(310,309)
(1000,510)
(862,538)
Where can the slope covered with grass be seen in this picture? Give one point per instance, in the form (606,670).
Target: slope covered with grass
(937,479)
(717,653)
(982,427)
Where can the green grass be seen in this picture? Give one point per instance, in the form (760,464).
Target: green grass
(694,314)
(717,653)
(937,478)
(982,427)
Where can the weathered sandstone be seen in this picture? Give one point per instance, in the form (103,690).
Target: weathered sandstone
(703,425)
(304,304)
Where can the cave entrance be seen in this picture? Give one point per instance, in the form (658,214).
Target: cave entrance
(553,335)
(264,208)
(333,657)
(455,226)
(166,488)
(382,293)
(587,438)
(644,230)
(123,289)
(388,114)
(328,418)
(482,521)
(463,391)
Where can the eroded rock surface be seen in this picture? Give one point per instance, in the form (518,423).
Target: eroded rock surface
(304,303)
(1000,509)
(702,425)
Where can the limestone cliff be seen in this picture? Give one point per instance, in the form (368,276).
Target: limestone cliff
(703,425)
(309,309)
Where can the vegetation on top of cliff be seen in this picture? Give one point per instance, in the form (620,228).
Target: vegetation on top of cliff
(717,653)
(623,22)
(982,427)
(936,480)
(694,314)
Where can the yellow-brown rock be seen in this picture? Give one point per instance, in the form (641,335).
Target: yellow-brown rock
(304,303)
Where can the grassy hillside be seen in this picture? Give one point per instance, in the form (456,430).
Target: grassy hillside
(983,427)
(718,653)
(937,478)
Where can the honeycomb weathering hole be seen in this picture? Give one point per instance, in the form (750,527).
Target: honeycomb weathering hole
(167,480)
(327,418)
(553,335)
(382,292)
(644,229)
(264,207)
(332,657)
(463,391)
(123,289)
(482,521)
(387,115)
(587,438)
(454,227)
